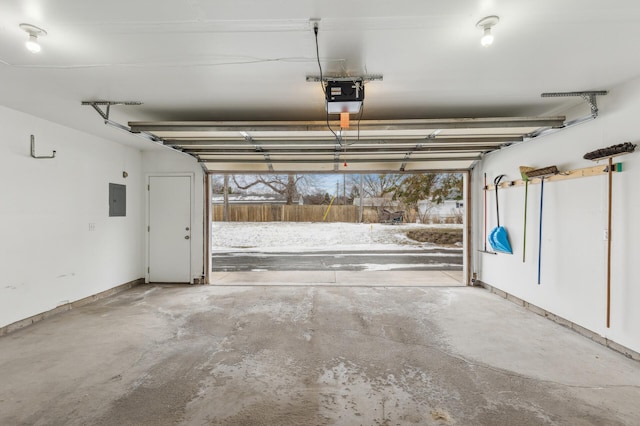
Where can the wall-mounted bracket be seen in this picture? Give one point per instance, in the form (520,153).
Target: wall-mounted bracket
(589,96)
(105,116)
(593,104)
(33,150)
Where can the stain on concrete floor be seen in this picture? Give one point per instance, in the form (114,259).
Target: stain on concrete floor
(165,355)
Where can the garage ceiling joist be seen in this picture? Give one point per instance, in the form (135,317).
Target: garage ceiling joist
(393,145)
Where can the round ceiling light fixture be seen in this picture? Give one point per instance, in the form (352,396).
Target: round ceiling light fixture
(486,24)
(34,32)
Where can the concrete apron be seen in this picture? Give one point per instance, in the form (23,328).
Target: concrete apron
(312,355)
(341,278)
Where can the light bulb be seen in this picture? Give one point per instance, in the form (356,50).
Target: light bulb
(487,38)
(486,24)
(32,44)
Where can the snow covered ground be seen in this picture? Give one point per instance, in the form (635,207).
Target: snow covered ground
(301,237)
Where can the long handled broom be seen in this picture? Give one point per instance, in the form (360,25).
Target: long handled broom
(601,154)
(541,174)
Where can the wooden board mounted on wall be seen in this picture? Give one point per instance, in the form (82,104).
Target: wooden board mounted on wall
(600,170)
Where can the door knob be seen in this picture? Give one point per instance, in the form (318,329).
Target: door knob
(186,237)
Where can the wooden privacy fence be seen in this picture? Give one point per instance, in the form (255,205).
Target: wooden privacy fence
(293,213)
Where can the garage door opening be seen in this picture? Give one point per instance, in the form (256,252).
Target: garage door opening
(405,229)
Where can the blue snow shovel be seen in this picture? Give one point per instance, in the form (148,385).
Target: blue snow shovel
(498,237)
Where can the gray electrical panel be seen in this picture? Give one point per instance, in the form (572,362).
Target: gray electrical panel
(117,199)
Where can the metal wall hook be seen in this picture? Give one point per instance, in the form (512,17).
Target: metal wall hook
(33,150)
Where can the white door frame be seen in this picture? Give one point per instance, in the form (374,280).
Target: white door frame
(148,177)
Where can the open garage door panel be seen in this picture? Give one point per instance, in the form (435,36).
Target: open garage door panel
(368,145)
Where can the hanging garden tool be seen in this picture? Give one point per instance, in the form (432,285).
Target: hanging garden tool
(541,174)
(485,189)
(498,237)
(601,154)
(523,172)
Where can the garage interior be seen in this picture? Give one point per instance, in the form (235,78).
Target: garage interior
(129,106)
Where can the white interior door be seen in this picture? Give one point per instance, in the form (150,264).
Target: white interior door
(170,229)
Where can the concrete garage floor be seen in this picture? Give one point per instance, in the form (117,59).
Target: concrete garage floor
(310,355)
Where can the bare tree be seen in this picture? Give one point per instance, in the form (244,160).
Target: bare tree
(286,185)
(381,185)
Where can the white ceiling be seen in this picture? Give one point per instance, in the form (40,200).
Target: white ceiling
(248,60)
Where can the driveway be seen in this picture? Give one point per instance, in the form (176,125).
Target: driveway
(436,259)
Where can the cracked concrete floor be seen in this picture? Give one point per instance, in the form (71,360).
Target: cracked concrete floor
(292,355)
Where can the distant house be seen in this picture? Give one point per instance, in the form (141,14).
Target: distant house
(441,212)
(254,199)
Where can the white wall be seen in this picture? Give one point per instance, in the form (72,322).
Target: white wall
(573,283)
(172,162)
(48,255)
